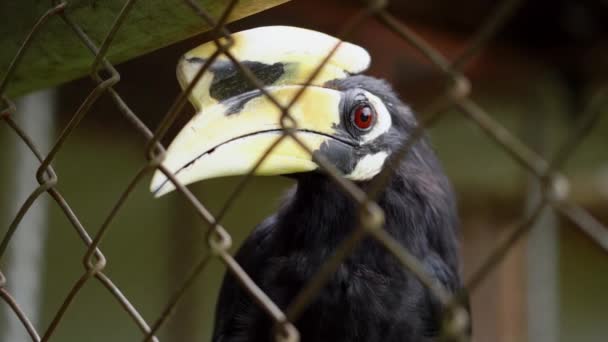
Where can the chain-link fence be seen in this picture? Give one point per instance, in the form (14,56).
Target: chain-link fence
(456,96)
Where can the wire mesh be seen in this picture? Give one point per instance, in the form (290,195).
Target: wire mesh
(456,95)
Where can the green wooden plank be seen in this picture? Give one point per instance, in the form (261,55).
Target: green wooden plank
(57,56)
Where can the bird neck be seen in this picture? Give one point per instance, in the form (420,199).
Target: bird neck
(419,210)
(320,213)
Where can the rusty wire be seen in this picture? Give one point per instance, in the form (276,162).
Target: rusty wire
(456,96)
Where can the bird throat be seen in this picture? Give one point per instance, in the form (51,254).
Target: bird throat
(318,213)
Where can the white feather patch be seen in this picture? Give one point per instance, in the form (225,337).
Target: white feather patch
(368,167)
(384,118)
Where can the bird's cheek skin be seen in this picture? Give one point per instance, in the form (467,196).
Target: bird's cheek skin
(337,153)
(368,166)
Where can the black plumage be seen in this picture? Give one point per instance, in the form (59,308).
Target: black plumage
(371,297)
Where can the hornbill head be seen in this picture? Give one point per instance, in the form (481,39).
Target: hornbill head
(353,121)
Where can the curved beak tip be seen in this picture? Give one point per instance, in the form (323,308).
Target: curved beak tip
(160,185)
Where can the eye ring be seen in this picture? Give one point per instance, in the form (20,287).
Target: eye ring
(363,116)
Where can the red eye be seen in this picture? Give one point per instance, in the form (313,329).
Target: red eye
(363,116)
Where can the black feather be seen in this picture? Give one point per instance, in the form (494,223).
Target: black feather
(372,297)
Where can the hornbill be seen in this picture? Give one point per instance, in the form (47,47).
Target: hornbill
(351,120)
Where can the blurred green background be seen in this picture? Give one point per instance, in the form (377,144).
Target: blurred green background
(535,81)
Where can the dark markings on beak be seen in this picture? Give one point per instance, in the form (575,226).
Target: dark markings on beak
(196,60)
(235,105)
(229,81)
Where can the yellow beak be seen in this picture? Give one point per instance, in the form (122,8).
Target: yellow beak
(215,144)
(236,124)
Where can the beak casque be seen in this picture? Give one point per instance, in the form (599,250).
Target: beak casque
(235,124)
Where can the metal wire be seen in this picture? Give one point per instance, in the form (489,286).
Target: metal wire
(371,220)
